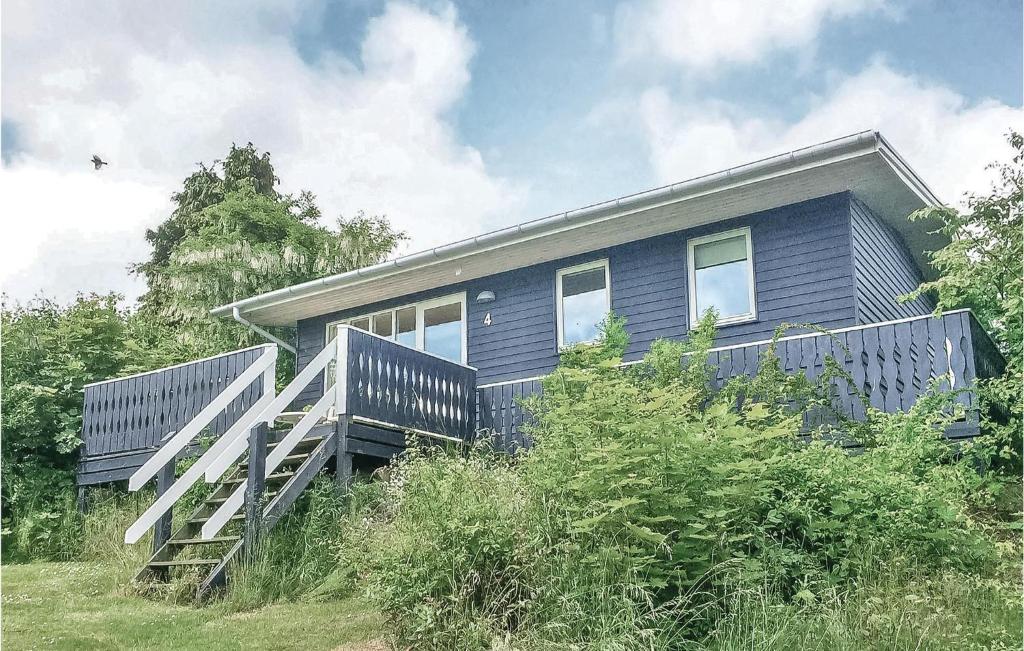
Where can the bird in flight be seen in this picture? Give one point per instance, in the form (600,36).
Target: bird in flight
(98,162)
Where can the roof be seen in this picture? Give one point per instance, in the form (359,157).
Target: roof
(863,163)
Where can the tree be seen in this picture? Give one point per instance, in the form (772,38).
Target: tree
(233,235)
(244,167)
(981,269)
(252,244)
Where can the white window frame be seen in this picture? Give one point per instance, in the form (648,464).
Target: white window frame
(559,307)
(692,276)
(420,307)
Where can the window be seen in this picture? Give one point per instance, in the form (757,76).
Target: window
(722,276)
(437,327)
(442,330)
(582,301)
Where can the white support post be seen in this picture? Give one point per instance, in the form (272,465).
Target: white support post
(341,372)
(177,443)
(289,393)
(283,449)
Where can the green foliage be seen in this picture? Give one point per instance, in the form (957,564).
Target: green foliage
(250,244)
(982,268)
(649,499)
(50,352)
(894,606)
(297,556)
(233,235)
(244,168)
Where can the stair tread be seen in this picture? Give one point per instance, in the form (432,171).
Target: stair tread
(276,475)
(312,439)
(240,516)
(185,561)
(221,500)
(289,459)
(203,541)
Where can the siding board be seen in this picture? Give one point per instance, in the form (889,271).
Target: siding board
(883,270)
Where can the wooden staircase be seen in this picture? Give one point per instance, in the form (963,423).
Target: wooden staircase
(186,549)
(382,391)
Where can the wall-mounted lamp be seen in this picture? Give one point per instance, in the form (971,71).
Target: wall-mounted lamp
(485,297)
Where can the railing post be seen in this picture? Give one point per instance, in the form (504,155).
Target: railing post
(341,372)
(254,491)
(162,528)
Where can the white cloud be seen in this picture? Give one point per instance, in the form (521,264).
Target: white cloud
(153,88)
(701,35)
(947,139)
(73,231)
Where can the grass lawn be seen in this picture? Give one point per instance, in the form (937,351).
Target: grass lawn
(85,606)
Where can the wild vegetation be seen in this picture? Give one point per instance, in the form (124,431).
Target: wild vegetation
(653,507)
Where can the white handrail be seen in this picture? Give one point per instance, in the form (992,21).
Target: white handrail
(177,443)
(272,411)
(221,516)
(239,429)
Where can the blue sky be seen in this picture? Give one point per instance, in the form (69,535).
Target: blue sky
(457,118)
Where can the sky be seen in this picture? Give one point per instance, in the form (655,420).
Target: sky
(457,118)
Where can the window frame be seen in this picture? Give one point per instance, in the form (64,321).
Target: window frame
(419,306)
(559,306)
(422,306)
(691,276)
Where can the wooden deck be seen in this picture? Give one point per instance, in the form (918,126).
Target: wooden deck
(125,420)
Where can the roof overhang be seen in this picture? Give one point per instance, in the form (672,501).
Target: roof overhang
(862,163)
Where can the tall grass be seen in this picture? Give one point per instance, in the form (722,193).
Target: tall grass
(102,530)
(300,558)
(896,606)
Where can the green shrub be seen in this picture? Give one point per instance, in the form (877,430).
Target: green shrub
(648,498)
(895,605)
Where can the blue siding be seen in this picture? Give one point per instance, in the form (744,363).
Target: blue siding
(883,270)
(803,274)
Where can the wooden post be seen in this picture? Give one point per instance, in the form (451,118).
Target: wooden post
(83,500)
(256,484)
(343,458)
(162,528)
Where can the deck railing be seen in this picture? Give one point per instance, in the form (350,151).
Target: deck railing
(889,366)
(393,384)
(125,420)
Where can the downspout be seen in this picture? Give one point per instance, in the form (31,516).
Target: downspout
(260,331)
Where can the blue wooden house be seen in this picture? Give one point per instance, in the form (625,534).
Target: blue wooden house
(442,343)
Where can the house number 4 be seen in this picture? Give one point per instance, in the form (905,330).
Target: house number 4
(487,319)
